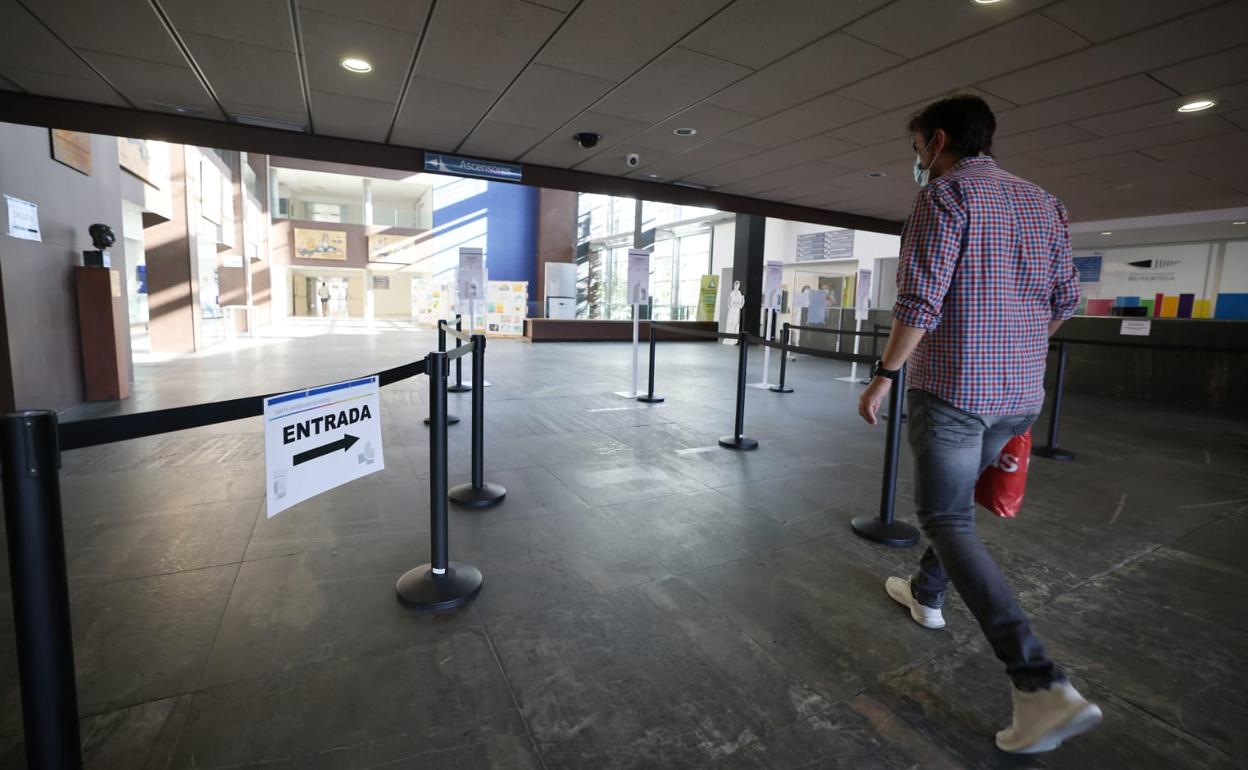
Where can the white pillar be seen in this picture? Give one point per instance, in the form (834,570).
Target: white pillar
(368,201)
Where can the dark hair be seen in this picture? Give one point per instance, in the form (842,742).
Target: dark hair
(966,118)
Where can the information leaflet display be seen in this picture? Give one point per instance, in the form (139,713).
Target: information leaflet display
(771,285)
(471,273)
(321,438)
(638,277)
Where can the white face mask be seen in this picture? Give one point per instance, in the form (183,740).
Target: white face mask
(922,175)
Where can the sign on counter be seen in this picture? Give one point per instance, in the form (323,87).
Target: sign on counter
(1135,327)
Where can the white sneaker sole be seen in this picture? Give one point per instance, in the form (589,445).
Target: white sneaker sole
(909,603)
(1081,721)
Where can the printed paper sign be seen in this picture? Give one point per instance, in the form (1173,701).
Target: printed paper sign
(771,285)
(638,277)
(471,273)
(1136,328)
(817,310)
(23,219)
(318,439)
(862,302)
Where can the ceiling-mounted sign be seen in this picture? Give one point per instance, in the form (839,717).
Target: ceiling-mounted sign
(318,439)
(457,165)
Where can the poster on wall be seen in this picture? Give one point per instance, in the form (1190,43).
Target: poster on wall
(133,156)
(321,244)
(381,282)
(388,247)
(506,307)
(23,219)
(73,148)
(1089,268)
(706,302)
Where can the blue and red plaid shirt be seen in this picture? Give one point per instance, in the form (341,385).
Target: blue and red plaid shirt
(985,265)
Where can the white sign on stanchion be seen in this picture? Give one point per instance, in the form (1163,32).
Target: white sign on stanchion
(472,281)
(320,438)
(862,311)
(638,295)
(772,276)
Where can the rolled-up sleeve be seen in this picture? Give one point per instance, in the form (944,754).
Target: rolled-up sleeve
(930,246)
(1065,296)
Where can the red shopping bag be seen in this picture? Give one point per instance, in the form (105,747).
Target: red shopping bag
(1000,486)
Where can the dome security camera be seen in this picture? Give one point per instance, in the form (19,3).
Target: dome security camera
(632,160)
(587,139)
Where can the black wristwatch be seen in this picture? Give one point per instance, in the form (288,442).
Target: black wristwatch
(879,371)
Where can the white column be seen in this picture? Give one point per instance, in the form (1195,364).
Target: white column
(368,201)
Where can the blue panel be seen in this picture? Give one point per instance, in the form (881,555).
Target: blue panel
(1231,307)
(510,214)
(1127,302)
(1089,268)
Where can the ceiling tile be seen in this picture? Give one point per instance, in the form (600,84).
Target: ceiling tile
(816,69)
(1137,140)
(1015,44)
(755,33)
(785,177)
(1238,117)
(1157,114)
(328,39)
(612,40)
(702,157)
(1237,141)
(1044,171)
(461,48)
(709,120)
(231,71)
(891,125)
(501,141)
(299,117)
(1191,77)
(1218,27)
(8,85)
(669,84)
(1097,100)
(121,27)
(1105,19)
(546,97)
(1039,139)
(425,140)
(26,44)
(613,160)
(400,15)
(915,27)
(564,6)
(806,150)
(351,116)
(883,154)
(443,108)
(257,22)
(562,150)
(151,85)
(814,117)
(65,87)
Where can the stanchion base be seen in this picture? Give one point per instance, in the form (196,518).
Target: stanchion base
(458,388)
(896,533)
(470,497)
(422,590)
(778,389)
(1053,453)
(648,399)
(744,443)
(450,419)
(630,394)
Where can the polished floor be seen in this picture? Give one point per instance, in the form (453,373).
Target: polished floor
(650,599)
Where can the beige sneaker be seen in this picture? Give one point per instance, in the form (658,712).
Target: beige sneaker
(928,617)
(1045,718)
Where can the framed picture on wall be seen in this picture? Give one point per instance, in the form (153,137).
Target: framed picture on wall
(73,148)
(321,244)
(134,156)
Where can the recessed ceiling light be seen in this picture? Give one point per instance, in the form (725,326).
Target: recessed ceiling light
(660,176)
(875,175)
(358,66)
(985,2)
(684,131)
(1108,232)
(1241,222)
(1198,106)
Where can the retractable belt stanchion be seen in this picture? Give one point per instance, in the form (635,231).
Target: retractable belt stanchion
(784,362)
(737,440)
(478,493)
(29,456)
(450,418)
(882,528)
(649,397)
(459,386)
(1050,449)
(441,584)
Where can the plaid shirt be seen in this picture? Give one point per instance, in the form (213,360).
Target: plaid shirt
(985,265)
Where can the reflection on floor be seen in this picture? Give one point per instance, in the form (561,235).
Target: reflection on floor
(650,600)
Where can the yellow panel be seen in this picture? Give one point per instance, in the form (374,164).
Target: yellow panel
(1202,309)
(1170,307)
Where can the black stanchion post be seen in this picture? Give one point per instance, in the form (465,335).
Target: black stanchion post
(478,493)
(459,386)
(45,650)
(784,362)
(737,440)
(649,397)
(1050,449)
(441,584)
(450,418)
(882,528)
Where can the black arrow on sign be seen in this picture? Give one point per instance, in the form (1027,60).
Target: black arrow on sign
(344,443)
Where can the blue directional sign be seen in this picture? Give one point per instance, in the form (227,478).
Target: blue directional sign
(456,165)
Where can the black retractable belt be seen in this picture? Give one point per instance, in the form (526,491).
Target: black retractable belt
(883,529)
(737,440)
(441,584)
(478,493)
(1050,450)
(649,396)
(30,459)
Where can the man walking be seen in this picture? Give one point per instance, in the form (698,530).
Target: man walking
(984,278)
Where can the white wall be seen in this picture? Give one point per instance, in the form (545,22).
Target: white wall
(723,242)
(395,302)
(1234,279)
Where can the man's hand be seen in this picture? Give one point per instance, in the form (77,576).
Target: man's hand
(871,398)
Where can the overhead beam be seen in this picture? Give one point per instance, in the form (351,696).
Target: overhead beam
(105,119)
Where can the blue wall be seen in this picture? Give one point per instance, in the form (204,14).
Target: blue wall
(510,211)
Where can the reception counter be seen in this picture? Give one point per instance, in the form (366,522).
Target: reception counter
(597,330)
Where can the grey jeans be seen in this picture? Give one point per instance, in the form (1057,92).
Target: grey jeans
(951,448)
